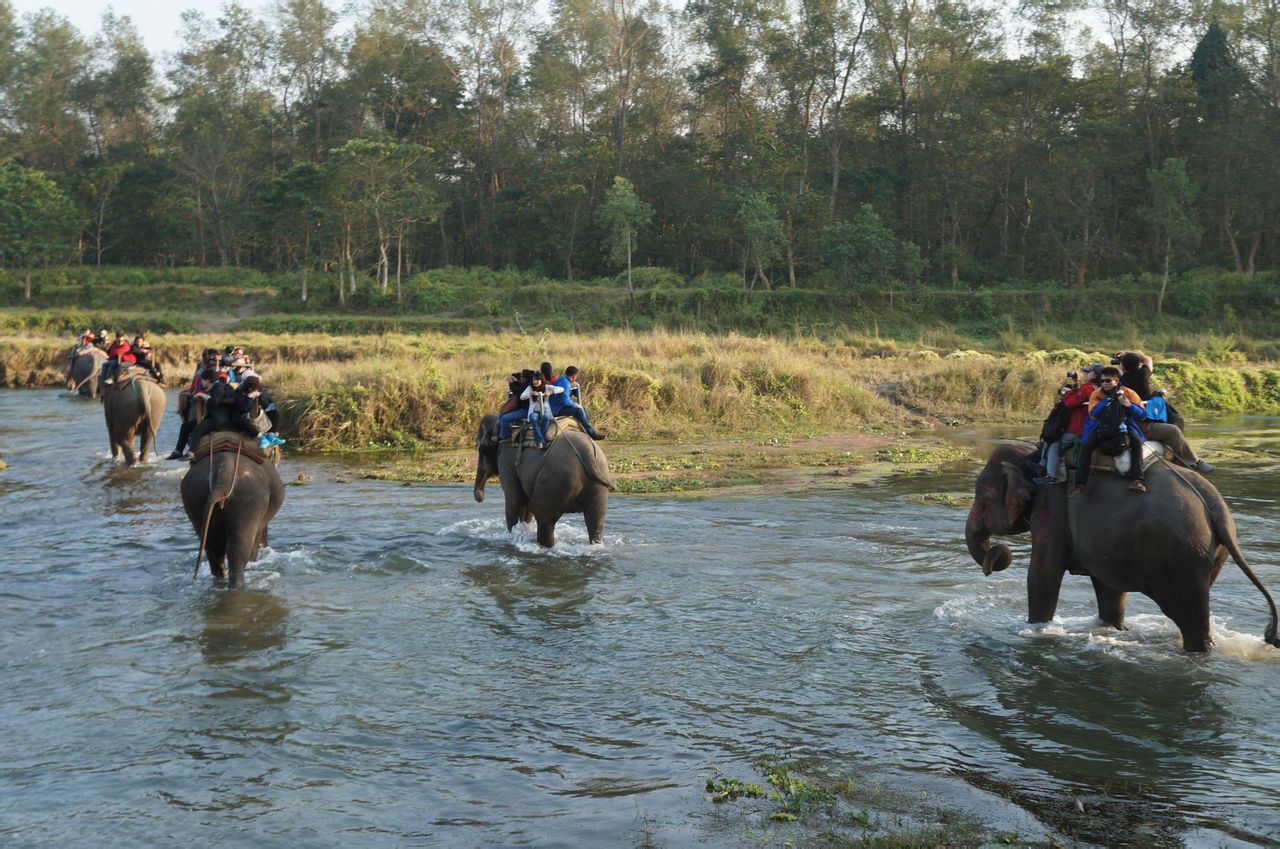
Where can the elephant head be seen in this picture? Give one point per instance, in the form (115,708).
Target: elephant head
(1001,505)
(486,454)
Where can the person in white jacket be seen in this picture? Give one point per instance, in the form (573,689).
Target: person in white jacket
(537,393)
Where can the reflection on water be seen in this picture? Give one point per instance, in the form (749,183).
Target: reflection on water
(238,624)
(401,671)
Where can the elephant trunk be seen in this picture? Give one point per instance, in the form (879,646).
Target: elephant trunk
(481,477)
(992,558)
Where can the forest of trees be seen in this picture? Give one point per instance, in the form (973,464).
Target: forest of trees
(810,143)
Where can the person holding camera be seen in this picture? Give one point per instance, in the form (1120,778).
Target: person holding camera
(1112,424)
(539,412)
(1074,397)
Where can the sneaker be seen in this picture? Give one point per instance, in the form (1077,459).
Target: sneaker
(1137,485)
(1202,467)
(1080,489)
(1047,480)
(595,434)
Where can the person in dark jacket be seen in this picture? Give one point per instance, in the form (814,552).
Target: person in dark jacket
(1136,375)
(200,391)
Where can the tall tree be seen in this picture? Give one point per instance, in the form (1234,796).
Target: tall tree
(1172,194)
(37,221)
(624,215)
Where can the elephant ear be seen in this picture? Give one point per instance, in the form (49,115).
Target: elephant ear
(1017,498)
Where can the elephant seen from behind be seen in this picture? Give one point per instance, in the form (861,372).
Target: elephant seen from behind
(133,407)
(231,493)
(570,475)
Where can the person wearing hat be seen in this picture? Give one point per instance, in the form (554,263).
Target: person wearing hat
(1075,397)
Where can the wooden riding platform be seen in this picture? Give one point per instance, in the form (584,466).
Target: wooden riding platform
(124,377)
(232,441)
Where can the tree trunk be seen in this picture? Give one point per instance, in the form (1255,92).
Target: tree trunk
(399,264)
(26,279)
(1164,281)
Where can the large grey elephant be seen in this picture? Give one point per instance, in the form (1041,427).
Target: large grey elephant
(1169,544)
(571,475)
(83,368)
(231,493)
(133,406)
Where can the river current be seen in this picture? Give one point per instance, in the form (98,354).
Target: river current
(402,672)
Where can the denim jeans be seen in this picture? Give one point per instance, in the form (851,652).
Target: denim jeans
(1055,453)
(507,420)
(539,423)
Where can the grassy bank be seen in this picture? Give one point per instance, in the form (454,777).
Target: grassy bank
(428,390)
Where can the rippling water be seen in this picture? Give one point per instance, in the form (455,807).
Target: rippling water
(402,672)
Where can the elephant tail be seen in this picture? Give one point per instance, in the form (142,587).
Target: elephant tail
(1271,636)
(596,465)
(218,495)
(209,507)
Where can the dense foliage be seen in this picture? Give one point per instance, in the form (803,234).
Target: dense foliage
(830,145)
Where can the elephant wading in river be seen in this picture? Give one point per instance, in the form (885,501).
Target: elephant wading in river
(133,407)
(571,475)
(1169,544)
(82,373)
(230,494)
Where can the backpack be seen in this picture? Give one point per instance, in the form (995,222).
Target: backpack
(1113,433)
(1055,424)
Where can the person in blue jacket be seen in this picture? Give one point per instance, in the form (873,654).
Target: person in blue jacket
(1114,414)
(564,404)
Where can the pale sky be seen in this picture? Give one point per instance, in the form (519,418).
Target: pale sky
(157,22)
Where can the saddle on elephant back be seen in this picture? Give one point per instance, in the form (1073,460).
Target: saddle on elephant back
(522,431)
(126,374)
(1151,451)
(234,441)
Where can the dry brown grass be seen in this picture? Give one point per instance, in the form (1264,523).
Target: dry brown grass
(344,393)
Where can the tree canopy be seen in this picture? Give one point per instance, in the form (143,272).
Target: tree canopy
(829,142)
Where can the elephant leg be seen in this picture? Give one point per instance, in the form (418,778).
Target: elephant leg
(593,514)
(146,442)
(126,445)
(1189,610)
(1044,582)
(216,548)
(1111,604)
(517,511)
(546,532)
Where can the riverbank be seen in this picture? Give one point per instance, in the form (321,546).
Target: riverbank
(683,412)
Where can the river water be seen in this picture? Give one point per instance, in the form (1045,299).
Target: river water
(402,672)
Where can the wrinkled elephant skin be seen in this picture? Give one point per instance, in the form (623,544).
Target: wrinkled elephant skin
(82,376)
(1169,544)
(571,475)
(234,498)
(133,410)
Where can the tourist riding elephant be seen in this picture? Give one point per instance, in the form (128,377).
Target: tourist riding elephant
(82,372)
(571,475)
(230,494)
(1169,544)
(133,407)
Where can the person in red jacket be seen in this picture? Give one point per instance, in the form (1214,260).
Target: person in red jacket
(1075,399)
(120,351)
